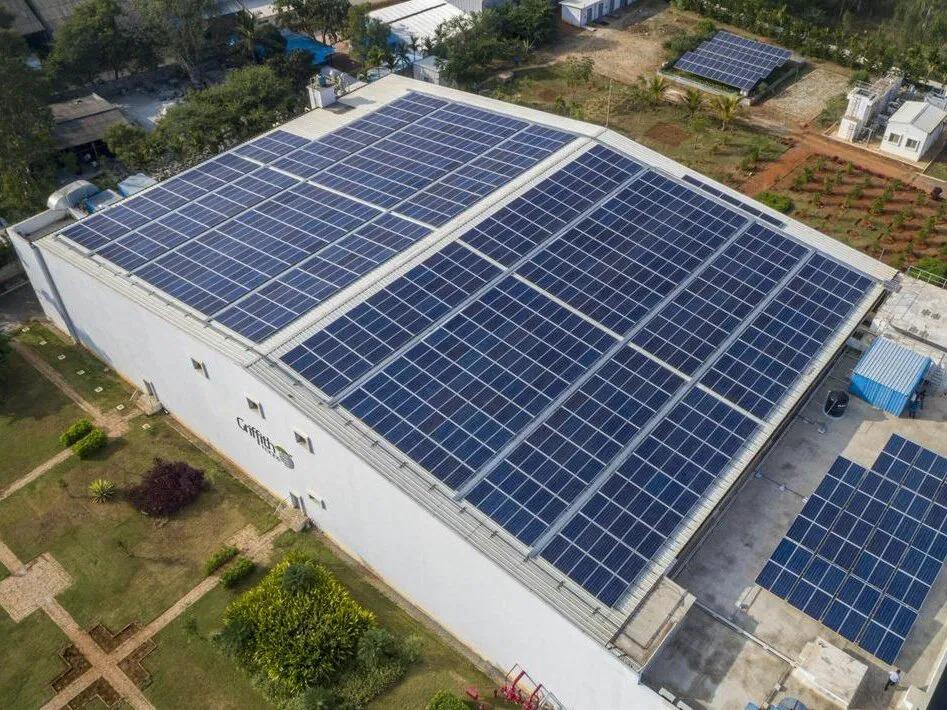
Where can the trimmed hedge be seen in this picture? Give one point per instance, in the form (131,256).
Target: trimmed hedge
(220,558)
(297,639)
(92,442)
(237,572)
(77,430)
(446,700)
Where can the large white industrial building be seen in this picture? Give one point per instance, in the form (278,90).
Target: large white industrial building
(484,576)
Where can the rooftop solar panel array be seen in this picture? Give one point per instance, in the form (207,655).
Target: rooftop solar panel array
(547,365)
(867,546)
(260,236)
(733,60)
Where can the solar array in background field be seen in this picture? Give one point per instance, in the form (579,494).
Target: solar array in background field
(868,544)
(733,60)
(257,237)
(547,365)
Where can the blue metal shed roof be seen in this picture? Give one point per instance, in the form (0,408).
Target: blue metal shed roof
(892,365)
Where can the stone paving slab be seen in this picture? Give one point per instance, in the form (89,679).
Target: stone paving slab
(28,589)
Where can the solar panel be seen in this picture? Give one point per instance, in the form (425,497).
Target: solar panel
(549,206)
(335,357)
(732,60)
(690,328)
(622,259)
(736,202)
(454,399)
(781,342)
(612,538)
(866,548)
(544,474)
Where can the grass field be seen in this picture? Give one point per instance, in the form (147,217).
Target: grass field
(33,412)
(938,168)
(126,566)
(221,684)
(29,660)
(95,374)
(698,142)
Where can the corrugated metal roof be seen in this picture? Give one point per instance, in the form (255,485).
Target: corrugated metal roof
(892,365)
(919,114)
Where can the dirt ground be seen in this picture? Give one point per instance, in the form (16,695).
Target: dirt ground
(631,45)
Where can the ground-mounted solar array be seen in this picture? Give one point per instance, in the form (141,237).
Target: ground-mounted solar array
(867,546)
(548,366)
(256,238)
(732,60)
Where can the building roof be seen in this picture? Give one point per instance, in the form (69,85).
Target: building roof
(893,366)
(84,120)
(25,21)
(920,114)
(417,19)
(490,247)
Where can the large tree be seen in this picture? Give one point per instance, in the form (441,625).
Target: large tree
(320,19)
(97,37)
(181,27)
(368,36)
(27,149)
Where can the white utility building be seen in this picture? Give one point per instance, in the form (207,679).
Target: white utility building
(913,130)
(513,362)
(582,12)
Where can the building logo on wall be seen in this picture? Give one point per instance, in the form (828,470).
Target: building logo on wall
(265,443)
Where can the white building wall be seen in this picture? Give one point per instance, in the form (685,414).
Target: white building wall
(415,553)
(572,15)
(904,132)
(30,259)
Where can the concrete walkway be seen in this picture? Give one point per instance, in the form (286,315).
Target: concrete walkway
(35,473)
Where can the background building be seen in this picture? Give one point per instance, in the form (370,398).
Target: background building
(913,130)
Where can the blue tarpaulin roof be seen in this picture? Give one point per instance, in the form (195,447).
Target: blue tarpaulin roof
(320,52)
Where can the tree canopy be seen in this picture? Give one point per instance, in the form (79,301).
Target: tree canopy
(27,148)
(368,36)
(98,37)
(320,19)
(181,27)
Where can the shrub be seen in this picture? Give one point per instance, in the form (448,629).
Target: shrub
(167,487)
(237,572)
(379,647)
(446,700)
(358,688)
(76,431)
(314,699)
(92,442)
(299,578)
(220,558)
(295,641)
(778,202)
(102,490)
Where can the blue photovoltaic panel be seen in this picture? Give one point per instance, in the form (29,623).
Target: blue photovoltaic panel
(307,285)
(348,348)
(868,544)
(543,210)
(608,543)
(736,202)
(454,399)
(780,343)
(538,480)
(454,193)
(628,254)
(689,329)
(733,60)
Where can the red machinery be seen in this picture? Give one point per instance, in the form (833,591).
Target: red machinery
(518,684)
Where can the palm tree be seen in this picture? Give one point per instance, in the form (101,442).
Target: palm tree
(245,29)
(656,88)
(693,101)
(726,108)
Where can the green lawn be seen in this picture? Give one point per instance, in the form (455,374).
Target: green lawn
(222,684)
(30,660)
(938,168)
(95,374)
(127,566)
(33,412)
(699,143)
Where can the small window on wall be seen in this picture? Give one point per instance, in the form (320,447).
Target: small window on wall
(911,144)
(255,406)
(199,366)
(303,440)
(894,138)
